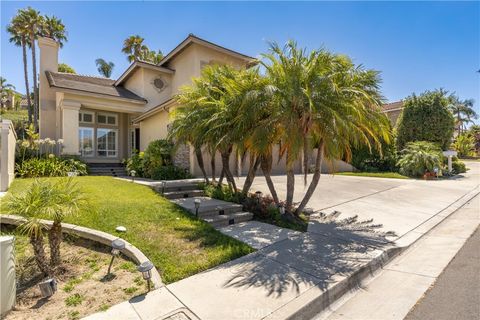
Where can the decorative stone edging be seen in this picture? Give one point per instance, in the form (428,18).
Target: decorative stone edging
(130,250)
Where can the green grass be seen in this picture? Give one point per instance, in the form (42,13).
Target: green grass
(176,242)
(14,115)
(391,175)
(74,300)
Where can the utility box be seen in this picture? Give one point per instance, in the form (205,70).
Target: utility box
(8,288)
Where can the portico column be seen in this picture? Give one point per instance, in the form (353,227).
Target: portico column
(70,127)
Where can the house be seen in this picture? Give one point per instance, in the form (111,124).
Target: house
(104,120)
(393,111)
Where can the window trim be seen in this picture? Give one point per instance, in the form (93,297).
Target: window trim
(97,149)
(80,147)
(81,113)
(114,115)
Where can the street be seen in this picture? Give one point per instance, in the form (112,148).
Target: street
(456,293)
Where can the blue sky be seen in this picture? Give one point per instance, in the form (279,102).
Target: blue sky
(416,45)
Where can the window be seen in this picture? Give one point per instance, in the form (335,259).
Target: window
(104,118)
(85,117)
(106,142)
(85,136)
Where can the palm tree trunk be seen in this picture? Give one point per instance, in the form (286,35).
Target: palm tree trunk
(266,166)
(305,159)
(27,85)
(226,168)
(39,253)
(198,154)
(290,187)
(212,165)
(316,177)
(220,180)
(252,170)
(54,240)
(35,84)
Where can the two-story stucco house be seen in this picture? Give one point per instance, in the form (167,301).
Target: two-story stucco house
(104,120)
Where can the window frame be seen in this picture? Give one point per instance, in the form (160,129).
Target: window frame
(82,113)
(106,150)
(80,144)
(106,115)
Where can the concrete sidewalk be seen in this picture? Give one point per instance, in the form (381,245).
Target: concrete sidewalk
(298,275)
(398,287)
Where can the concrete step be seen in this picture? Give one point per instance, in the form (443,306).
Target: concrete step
(229,219)
(175,187)
(183,194)
(209,207)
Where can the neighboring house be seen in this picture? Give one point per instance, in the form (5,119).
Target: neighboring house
(393,111)
(104,121)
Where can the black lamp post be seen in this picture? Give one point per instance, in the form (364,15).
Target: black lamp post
(146,269)
(197,206)
(163,186)
(133,173)
(117,245)
(258,195)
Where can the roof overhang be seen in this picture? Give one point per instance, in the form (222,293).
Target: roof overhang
(141,64)
(96,95)
(161,107)
(191,39)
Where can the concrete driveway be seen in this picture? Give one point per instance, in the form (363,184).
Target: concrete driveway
(401,206)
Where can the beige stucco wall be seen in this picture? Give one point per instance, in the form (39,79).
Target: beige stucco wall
(8,140)
(140,82)
(47,98)
(153,128)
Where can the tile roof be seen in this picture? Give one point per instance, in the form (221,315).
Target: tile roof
(392,106)
(97,85)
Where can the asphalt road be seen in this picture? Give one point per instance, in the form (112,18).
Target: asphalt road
(456,293)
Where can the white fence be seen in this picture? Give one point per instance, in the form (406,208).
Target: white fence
(8,140)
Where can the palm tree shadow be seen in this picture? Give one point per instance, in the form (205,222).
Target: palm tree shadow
(338,249)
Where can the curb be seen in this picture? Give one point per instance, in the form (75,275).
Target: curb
(130,250)
(310,303)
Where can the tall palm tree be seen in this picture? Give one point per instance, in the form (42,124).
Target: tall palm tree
(65,200)
(323,102)
(134,48)
(104,68)
(463,112)
(19,36)
(6,90)
(31,204)
(33,22)
(53,28)
(152,56)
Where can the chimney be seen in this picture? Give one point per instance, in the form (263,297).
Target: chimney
(48,62)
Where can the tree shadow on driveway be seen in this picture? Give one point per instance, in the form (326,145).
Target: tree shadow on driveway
(342,248)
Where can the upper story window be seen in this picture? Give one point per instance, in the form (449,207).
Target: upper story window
(107,118)
(85,117)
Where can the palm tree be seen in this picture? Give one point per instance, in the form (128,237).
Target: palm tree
(19,37)
(31,204)
(65,68)
(463,112)
(66,200)
(152,56)
(323,102)
(104,68)
(53,28)
(134,48)
(33,22)
(6,90)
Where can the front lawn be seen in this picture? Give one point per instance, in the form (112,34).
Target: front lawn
(178,244)
(391,175)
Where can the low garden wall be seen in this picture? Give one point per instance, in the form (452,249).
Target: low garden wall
(130,250)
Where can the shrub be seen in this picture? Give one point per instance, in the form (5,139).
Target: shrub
(426,118)
(419,158)
(49,167)
(465,145)
(157,154)
(135,162)
(458,167)
(169,173)
(372,161)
